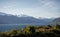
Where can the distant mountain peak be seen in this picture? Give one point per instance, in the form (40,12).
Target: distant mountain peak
(22,15)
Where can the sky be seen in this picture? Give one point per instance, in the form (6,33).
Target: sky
(35,8)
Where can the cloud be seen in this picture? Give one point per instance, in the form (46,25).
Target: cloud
(36,8)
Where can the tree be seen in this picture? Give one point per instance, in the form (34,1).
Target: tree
(49,25)
(31,28)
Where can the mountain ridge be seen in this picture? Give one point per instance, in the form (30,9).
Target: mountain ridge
(56,21)
(13,19)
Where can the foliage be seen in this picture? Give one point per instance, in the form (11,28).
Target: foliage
(57,26)
(34,31)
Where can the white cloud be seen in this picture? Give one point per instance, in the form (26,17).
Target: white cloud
(41,8)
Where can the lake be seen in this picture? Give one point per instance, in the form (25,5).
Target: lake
(8,27)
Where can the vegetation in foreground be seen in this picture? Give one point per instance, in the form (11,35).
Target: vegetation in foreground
(34,31)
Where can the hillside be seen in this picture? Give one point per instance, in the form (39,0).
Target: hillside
(56,21)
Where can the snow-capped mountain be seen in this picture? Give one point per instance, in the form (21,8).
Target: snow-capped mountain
(24,19)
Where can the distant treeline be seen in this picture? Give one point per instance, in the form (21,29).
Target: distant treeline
(34,31)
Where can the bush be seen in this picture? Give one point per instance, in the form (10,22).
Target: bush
(34,31)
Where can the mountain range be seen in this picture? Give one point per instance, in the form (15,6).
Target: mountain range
(24,19)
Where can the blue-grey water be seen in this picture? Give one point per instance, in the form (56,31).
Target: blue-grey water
(8,27)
